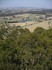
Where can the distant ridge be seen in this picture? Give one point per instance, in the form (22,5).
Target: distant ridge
(21,10)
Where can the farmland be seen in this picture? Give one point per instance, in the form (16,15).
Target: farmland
(27,20)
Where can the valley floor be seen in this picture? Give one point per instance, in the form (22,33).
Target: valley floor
(31,25)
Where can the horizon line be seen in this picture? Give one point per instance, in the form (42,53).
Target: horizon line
(24,7)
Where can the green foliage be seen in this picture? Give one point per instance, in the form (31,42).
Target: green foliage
(22,50)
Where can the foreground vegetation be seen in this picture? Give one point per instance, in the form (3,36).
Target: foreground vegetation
(22,50)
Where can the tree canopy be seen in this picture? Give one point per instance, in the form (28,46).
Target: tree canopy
(22,50)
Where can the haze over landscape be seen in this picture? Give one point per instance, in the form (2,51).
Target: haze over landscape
(25,34)
(26,3)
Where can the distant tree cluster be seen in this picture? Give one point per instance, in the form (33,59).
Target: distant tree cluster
(22,50)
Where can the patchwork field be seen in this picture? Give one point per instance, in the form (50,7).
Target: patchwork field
(29,21)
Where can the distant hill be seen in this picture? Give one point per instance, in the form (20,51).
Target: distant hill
(13,11)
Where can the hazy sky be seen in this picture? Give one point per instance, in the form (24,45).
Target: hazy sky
(26,3)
